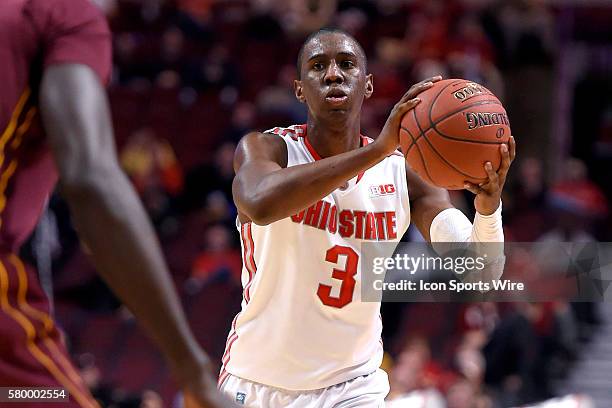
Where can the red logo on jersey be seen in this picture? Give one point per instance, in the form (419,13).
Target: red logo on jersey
(376,226)
(382,190)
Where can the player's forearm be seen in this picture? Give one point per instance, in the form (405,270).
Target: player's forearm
(284,192)
(485,237)
(112,223)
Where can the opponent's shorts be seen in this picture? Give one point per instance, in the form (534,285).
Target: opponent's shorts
(32,353)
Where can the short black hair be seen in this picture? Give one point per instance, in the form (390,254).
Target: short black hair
(322,31)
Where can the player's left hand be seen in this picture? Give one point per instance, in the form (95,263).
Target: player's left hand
(488,193)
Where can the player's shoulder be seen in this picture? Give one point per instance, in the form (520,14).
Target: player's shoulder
(397,156)
(256,138)
(261,145)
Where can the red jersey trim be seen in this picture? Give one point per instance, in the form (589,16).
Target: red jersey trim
(248,259)
(311,149)
(298,131)
(231,338)
(364,142)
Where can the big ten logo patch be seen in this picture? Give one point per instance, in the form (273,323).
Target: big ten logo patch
(240,398)
(382,190)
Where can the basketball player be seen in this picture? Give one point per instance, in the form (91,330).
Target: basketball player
(303,338)
(56,57)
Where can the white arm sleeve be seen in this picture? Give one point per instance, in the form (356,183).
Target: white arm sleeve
(451,225)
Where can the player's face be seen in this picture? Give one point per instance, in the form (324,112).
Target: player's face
(334,81)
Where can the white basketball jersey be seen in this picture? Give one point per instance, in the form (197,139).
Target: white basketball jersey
(302,325)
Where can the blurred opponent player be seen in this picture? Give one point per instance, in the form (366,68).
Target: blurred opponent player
(55,59)
(308,197)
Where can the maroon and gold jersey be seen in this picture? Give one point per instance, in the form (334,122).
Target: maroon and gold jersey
(35,34)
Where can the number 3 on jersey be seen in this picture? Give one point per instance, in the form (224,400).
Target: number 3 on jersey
(346,275)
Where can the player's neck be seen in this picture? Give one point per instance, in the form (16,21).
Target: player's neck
(333,140)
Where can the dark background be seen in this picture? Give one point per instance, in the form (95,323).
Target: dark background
(192,76)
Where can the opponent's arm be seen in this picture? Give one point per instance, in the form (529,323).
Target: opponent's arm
(438,221)
(111,221)
(265,190)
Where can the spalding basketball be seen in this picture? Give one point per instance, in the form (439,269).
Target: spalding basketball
(449,136)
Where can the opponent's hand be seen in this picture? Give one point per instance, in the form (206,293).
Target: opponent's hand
(388,140)
(488,193)
(200,388)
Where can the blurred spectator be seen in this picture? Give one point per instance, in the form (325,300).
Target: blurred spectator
(520,352)
(152,166)
(352,20)
(150,162)
(172,58)
(415,376)
(277,103)
(575,190)
(215,71)
(528,212)
(110,396)
(198,10)
(128,58)
(426,68)
(242,122)
(428,29)
(108,7)
(528,29)
(201,181)
(470,39)
(151,399)
(218,256)
(298,17)
(388,70)
(218,209)
(462,394)
(577,203)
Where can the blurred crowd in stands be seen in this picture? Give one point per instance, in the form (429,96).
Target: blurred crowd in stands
(193,76)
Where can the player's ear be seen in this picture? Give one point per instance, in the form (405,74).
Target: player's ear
(299,94)
(369,86)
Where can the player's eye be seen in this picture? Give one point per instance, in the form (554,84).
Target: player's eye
(317,66)
(347,64)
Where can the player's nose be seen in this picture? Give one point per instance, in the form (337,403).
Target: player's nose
(333,74)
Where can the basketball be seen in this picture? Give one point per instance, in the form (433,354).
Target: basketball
(455,129)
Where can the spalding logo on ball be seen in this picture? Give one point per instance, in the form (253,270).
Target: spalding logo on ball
(453,132)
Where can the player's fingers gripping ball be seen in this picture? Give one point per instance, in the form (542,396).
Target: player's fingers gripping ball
(458,127)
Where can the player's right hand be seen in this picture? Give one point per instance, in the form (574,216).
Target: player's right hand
(388,139)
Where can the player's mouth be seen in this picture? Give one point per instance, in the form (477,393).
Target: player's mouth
(336,97)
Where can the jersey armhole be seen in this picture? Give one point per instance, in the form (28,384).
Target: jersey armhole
(284,139)
(404,181)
